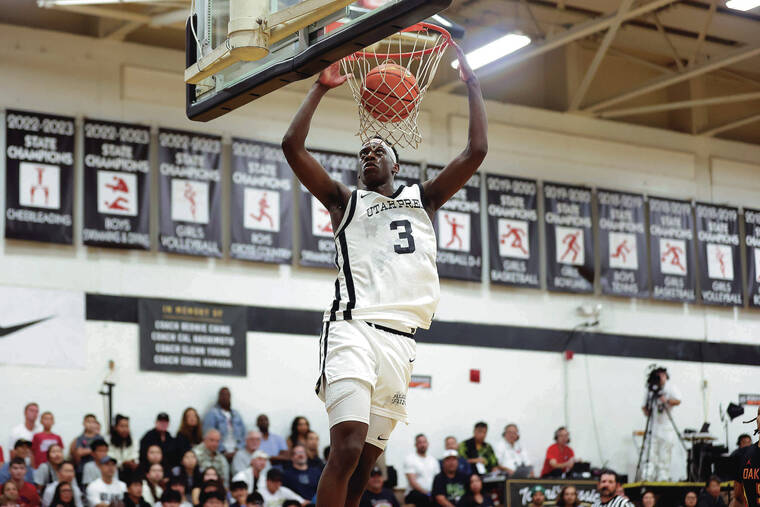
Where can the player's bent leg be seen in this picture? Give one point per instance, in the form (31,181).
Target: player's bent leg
(378,433)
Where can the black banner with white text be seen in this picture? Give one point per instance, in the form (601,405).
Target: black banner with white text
(671,250)
(718,249)
(408,174)
(752,242)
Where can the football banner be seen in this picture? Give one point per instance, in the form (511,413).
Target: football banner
(317,240)
(671,250)
(190,193)
(569,238)
(512,207)
(752,242)
(39,176)
(622,244)
(116,185)
(457,228)
(719,254)
(261,207)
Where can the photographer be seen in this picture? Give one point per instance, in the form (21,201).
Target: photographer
(660,398)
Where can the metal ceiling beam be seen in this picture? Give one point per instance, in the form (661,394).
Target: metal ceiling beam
(668,42)
(169,18)
(703,32)
(711,101)
(640,61)
(732,125)
(125,29)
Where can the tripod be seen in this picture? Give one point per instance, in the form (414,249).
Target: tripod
(646,444)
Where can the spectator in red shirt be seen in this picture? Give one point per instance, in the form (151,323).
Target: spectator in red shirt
(27,493)
(560,458)
(42,441)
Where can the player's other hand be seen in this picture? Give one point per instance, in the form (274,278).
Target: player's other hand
(466,73)
(331,76)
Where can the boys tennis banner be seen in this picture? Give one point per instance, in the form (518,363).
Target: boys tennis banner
(116,185)
(622,244)
(39,176)
(720,274)
(261,207)
(671,250)
(190,193)
(513,230)
(569,238)
(752,242)
(317,240)
(457,225)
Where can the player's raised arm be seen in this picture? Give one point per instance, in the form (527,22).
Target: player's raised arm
(331,193)
(438,190)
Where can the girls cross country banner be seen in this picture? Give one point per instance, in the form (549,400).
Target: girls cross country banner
(262,202)
(720,279)
(671,250)
(457,225)
(39,176)
(752,242)
(569,238)
(622,244)
(512,207)
(116,185)
(190,193)
(317,240)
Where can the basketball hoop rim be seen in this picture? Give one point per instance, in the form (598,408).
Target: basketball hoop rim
(417,27)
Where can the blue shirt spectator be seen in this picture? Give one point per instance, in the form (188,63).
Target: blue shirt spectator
(272,444)
(227,422)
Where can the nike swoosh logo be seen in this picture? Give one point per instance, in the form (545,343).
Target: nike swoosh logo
(5,331)
(412,360)
(381,438)
(365,195)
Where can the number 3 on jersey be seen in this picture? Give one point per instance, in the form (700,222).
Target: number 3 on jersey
(405,235)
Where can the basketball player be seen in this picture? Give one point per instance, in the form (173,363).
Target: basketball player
(747,481)
(387,285)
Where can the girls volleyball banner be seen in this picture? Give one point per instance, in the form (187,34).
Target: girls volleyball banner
(752,242)
(671,250)
(116,185)
(317,240)
(261,207)
(622,244)
(39,176)
(513,230)
(190,193)
(457,225)
(720,274)
(569,238)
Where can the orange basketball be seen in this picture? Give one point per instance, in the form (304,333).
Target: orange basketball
(390,92)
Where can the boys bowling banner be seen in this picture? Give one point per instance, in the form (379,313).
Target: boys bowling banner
(752,241)
(262,202)
(671,250)
(569,238)
(720,274)
(116,185)
(622,244)
(513,230)
(39,176)
(190,193)
(317,240)
(457,226)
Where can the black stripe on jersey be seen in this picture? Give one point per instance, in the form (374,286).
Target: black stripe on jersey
(322,356)
(349,279)
(397,192)
(351,210)
(336,301)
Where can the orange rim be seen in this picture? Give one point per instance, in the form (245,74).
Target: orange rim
(418,27)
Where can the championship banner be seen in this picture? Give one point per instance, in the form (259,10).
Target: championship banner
(317,240)
(513,230)
(190,193)
(39,177)
(569,238)
(752,241)
(518,491)
(622,244)
(720,275)
(188,337)
(262,202)
(457,226)
(408,174)
(671,250)
(116,185)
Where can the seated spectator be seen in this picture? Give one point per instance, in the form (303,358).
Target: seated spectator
(690,499)
(475,496)
(450,443)
(27,429)
(252,500)
(10,493)
(255,476)
(152,489)
(190,432)
(169,498)
(91,470)
(478,452)
(239,492)
(154,456)
(213,485)
(134,495)
(212,499)
(449,485)
(63,496)
(176,484)
(80,449)
(272,444)
(560,458)
(7,502)
(648,499)
(568,497)
(160,436)
(537,496)
(420,470)
(209,475)
(209,456)
(711,497)
(243,456)
(47,473)
(513,459)
(188,471)
(42,441)
(27,492)
(312,450)
(228,422)
(274,494)
(21,449)
(376,495)
(299,476)
(66,473)
(107,488)
(122,448)
(299,428)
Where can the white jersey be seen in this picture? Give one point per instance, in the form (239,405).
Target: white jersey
(386,250)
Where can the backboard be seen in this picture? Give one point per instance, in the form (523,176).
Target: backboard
(223,76)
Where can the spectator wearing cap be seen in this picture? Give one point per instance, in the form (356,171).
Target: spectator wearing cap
(228,422)
(107,488)
(537,496)
(160,436)
(274,494)
(449,486)
(238,492)
(376,495)
(255,475)
(513,459)
(209,456)
(21,449)
(27,429)
(134,494)
(67,474)
(243,456)
(450,443)
(272,444)
(27,492)
(91,470)
(79,449)
(478,452)
(42,441)
(152,489)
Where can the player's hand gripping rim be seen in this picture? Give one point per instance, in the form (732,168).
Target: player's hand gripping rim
(331,76)
(466,73)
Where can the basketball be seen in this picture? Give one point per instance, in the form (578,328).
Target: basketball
(390,92)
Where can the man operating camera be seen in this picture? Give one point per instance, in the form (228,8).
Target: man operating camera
(660,398)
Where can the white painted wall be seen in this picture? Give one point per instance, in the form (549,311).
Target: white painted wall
(64,74)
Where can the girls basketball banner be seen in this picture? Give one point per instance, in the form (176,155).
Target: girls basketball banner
(317,240)
(671,250)
(569,238)
(190,193)
(39,176)
(261,207)
(622,244)
(457,227)
(752,242)
(116,185)
(720,274)
(513,230)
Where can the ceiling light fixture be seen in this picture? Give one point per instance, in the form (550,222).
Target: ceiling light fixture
(440,19)
(494,50)
(742,5)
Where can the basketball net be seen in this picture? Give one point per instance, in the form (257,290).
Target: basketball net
(419,50)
